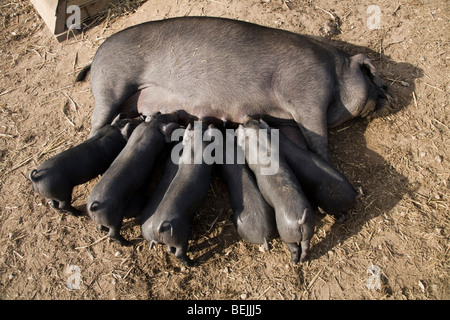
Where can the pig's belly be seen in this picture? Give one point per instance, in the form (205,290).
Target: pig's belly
(230,107)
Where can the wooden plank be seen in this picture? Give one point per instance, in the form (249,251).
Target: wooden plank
(90,9)
(47,10)
(80,3)
(54,12)
(60,25)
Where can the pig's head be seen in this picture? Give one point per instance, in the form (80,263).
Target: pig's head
(248,129)
(362,93)
(148,233)
(379,101)
(306,225)
(167,129)
(125,125)
(166,122)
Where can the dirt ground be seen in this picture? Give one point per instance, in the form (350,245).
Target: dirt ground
(398,232)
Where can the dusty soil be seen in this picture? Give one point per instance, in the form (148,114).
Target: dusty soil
(401,163)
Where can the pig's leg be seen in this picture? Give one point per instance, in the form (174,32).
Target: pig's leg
(294,249)
(54,203)
(305,250)
(294,134)
(65,206)
(315,132)
(308,107)
(109,97)
(114,234)
(102,115)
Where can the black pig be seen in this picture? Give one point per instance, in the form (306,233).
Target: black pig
(322,183)
(253,217)
(229,69)
(293,214)
(57,176)
(167,218)
(109,200)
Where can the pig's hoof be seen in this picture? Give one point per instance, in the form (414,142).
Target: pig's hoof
(294,260)
(188,262)
(122,241)
(74,212)
(303,258)
(341,218)
(321,211)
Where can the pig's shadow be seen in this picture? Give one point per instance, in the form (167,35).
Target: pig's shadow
(382,185)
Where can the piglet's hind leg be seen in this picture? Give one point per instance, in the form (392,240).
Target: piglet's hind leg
(180,253)
(294,249)
(114,234)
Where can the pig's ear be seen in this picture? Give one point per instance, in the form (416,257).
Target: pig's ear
(127,130)
(306,213)
(167,129)
(247,119)
(263,124)
(209,133)
(367,67)
(188,134)
(119,117)
(240,136)
(251,123)
(152,116)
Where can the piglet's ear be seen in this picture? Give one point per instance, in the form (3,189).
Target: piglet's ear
(188,134)
(364,63)
(127,130)
(306,213)
(263,124)
(252,123)
(240,136)
(119,117)
(209,132)
(167,129)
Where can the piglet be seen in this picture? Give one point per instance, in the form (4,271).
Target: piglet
(168,216)
(323,184)
(57,176)
(253,217)
(280,188)
(111,197)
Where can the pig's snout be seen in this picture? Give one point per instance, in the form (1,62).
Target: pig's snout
(304,246)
